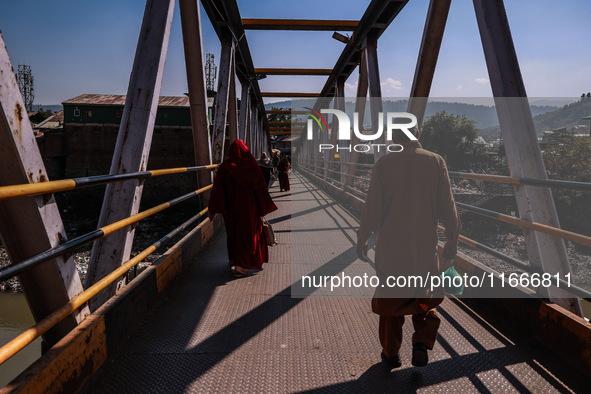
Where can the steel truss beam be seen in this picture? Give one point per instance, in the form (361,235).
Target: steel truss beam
(133,144)
(244,111)
(299,24)
(293,71)
(535,204)
(31,225)
(225,19)
(427,59)
(287,94)
(221,102)
(232,108)
(193,46)
(377,17)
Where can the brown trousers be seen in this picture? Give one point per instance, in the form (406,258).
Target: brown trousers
(425,325)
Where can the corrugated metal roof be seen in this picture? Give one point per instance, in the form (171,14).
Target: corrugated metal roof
(55,121)
(116,99)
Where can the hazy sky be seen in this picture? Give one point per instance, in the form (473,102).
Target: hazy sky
(76,47)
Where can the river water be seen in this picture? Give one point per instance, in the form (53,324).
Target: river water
(15,317)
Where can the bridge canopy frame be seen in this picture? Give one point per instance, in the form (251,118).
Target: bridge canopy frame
(251,124)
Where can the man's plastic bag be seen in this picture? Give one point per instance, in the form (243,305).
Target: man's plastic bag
(453,281)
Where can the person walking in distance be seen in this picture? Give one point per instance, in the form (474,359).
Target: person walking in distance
(283,177)
(266,167)
(408,194)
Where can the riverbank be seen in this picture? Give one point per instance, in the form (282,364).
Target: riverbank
(146,233)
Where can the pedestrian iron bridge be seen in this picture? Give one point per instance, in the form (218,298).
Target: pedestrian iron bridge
(210,332)
(185,324)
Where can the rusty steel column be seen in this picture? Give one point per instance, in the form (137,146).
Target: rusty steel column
(248,123)
(263,134)
(427,59)
(258,144)
(244,106)
(314,154)
(252,136)
(134,139)
(521,146)
(362,86)
(252,125)
(375,93)
(221,102)
(256,133)
(305,149)
(193,45)
(266,148)
(306,145)
(339,103)
(325,155)
(31,225)
(232,107)
(247,120)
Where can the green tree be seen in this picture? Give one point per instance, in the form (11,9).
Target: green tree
(569,160)
(454,138)
(45,113)
(279,117)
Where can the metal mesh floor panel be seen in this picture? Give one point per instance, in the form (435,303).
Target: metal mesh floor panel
(215,333)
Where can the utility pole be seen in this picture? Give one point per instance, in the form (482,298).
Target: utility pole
(25,85)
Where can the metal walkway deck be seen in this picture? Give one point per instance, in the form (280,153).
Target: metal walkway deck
(214,333)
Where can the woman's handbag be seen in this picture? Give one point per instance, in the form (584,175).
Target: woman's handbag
(269,235)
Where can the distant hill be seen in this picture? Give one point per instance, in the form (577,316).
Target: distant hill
(485,116)
(568,116)
(52,107)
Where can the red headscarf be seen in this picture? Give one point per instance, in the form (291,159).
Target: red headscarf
(243,167)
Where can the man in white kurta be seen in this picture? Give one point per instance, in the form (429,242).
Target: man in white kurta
(408,194)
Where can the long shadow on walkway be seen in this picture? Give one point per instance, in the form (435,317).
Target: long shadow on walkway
(196,338)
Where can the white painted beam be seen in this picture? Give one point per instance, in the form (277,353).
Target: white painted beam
(521,146)
(31,225)
(133,144)
(244,110)
(232,107)
(427,59)
(375,92)
(362,86)
(193,46)
(221,102)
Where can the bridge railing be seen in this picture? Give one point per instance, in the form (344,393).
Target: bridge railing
(317,167)
(24,190)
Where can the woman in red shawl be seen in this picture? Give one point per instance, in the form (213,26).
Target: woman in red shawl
(240,194)
(283,178)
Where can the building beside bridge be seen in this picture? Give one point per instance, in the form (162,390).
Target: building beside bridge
(90,125)
(85,144)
